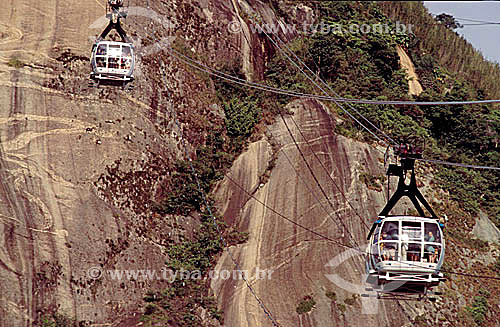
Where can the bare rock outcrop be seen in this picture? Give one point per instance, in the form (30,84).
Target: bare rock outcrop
(413,84)
(295,258)
(485,229)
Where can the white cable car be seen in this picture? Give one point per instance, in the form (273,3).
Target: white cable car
(405,253)
(113,62)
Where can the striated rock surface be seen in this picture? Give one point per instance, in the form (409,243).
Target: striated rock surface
(297,257)
(55,144)
(485,230)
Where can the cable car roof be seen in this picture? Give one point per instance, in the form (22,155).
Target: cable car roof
(408,218)
(114,43)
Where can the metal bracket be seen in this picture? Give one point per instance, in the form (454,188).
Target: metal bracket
(409,190)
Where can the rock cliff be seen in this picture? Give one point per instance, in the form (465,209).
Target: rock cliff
(81,169)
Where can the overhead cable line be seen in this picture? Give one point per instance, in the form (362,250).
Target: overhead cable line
(262,305)
(214,219)
(477,21)
(327,172)
(387,137)
(441,162)
(231,78)
(312,231)
(338,104)
(304,182)
(346,230)
(346,246)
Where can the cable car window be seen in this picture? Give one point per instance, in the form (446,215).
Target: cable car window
(413,252)
(113,63)
(376,235)
(431,233)
(101,50)
(114,50)
(389,251)
(390,231)
(375,253)
(101,62)
(432,253)
(125,63)
(412,230)
(126,51)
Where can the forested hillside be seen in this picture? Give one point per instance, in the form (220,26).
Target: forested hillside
(367,66)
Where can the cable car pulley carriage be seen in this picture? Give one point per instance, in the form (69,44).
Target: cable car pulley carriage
(113,62)
(405,252)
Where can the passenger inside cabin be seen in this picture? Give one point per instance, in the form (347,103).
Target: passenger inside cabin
(126,52)
(113,63)
(388,250)
(101,50)
(430,237)
(413,252)
(394,234)
(433,256)
(429,249)
(101,62)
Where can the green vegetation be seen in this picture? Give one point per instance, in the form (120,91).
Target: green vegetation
(305,305)
(57,320)
(331,295)
(15,62)
(197,254)
(367,66)
(242,114)
(371,181)
(188,184)
(448,21)
(479,307)
(451,51)
(222,146)
(179,304)
(353,65)
(183,190)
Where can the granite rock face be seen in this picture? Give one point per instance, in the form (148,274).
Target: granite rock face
(296,257)
(80,170)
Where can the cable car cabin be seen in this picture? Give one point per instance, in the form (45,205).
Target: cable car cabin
(113,61)
(406,252)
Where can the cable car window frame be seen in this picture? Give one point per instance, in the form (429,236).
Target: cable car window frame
(392,229)
(100,47)
(411,246)
(376,235)
(117,60)
(126,55)
(102,59)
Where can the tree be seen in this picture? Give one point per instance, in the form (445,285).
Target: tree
(448,21)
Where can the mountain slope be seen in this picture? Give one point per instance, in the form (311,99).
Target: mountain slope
(102,180)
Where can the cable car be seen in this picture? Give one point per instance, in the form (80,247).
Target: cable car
(405,253)
(113,62)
